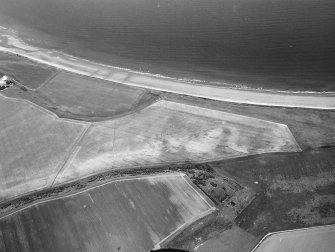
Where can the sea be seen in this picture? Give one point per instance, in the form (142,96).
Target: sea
(258,44)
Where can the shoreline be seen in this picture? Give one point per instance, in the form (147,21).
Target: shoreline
(301,99)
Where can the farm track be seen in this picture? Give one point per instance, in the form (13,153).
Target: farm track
(71,152)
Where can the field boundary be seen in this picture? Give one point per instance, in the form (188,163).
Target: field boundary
(57,71)
(182,162)
(44,110)
(71,194)
(184,226)
(71,152)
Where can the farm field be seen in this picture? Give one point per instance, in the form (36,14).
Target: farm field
(169,132)
(81,95)
(27,72)
(33,146)
(84,98)
(307,240)
(133,214)
(311,128)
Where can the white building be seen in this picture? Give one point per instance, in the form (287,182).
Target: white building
(3,80)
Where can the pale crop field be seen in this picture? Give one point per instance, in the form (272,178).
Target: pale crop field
(306,240)
(134,214)
(34,145)
(169,132)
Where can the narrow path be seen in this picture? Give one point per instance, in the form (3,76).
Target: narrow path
(71,153)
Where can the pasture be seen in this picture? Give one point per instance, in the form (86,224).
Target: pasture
(27,72)
(133,214)
(34,145)
(87,97)
(169,132)
(83,98)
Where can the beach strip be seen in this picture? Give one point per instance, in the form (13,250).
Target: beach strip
(313,100)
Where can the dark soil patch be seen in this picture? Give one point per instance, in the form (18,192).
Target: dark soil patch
(295,190)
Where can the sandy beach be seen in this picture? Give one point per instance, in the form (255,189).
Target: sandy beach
(313,100)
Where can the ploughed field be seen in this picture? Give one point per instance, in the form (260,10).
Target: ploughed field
(34,144)
(170,132)
(133,214)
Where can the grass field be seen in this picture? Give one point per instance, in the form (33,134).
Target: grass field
(88,99)
(28,73)
(81,95)
(130,215)
(33,146)
(307,240)
(168,132)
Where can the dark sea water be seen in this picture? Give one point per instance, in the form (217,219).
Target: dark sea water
(273,44)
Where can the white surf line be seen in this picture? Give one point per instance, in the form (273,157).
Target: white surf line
(288,231)
(91,188)
(154,82)
(187,223)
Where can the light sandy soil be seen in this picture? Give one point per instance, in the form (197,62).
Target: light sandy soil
(319,239)
(34,144)
(307,100)
(169,132)
(133,214)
